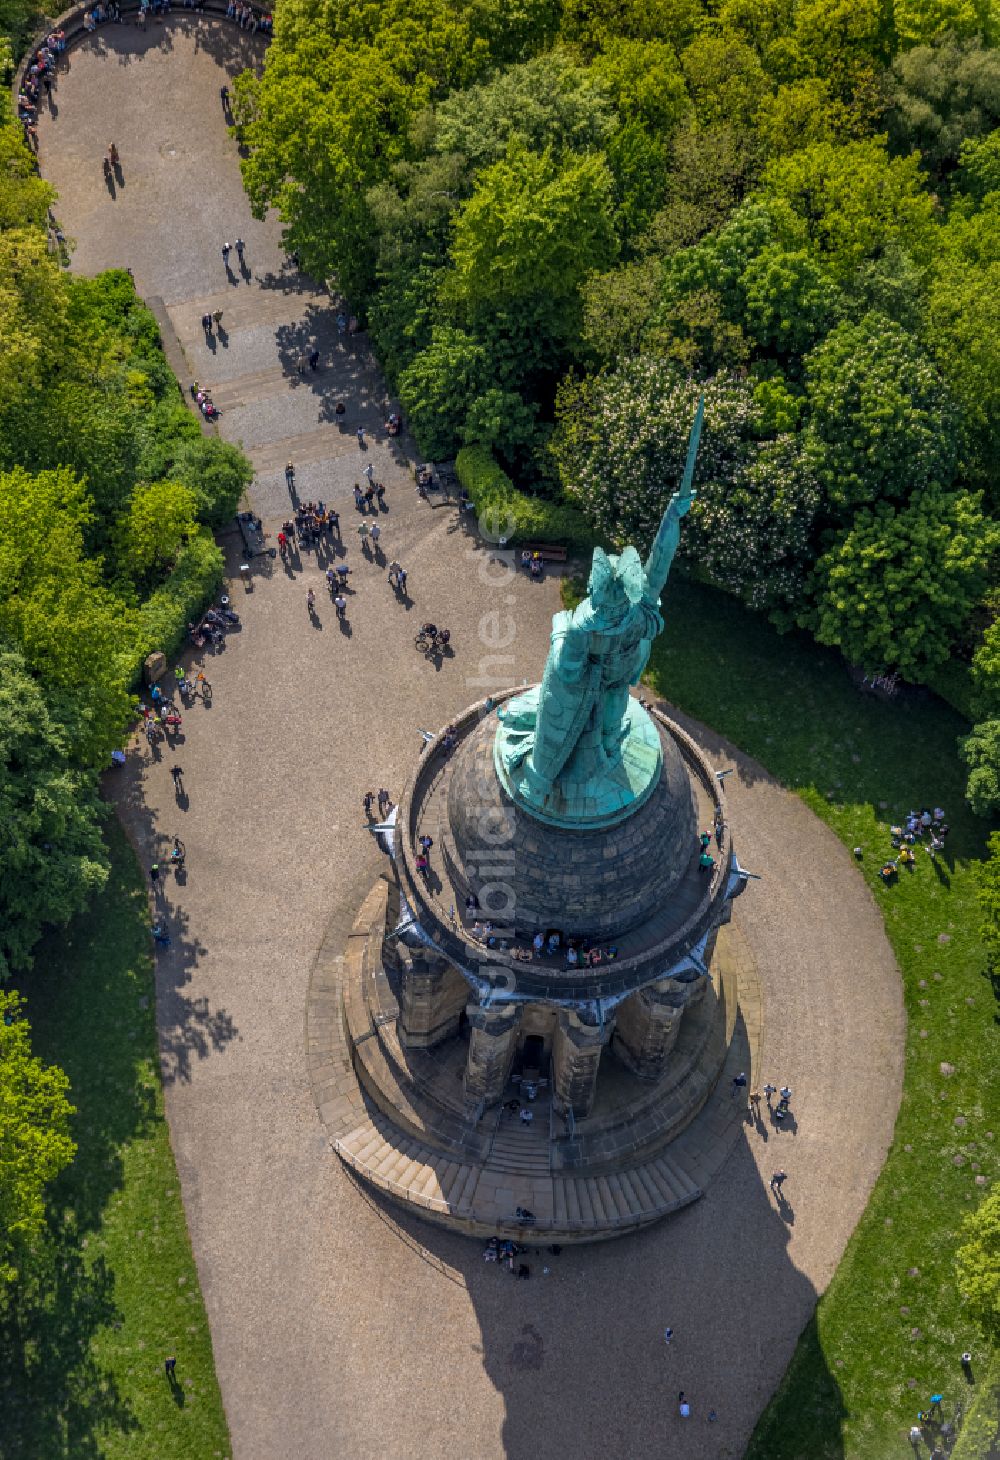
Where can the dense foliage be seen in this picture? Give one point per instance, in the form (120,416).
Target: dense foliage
(35,1143)
(105,484)
(979,1265)
(562,223)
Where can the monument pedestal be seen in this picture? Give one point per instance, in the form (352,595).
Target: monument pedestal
(648,1023)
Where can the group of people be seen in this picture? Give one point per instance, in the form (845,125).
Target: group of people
(366,497)
(39,76)
(383,800)
(203,400)
(924,828)
(99,13)
(247,18)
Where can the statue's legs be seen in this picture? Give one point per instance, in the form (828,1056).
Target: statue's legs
(612,721)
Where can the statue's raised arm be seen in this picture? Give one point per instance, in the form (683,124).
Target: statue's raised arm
(661,554)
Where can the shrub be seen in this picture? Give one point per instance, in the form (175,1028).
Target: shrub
(164,617)
(515,515)
(981,753)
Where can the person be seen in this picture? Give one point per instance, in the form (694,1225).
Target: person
(906,856)
(683,1408)
(423,865)
(363,535)
(217,317)
(177,853)
(359,497)
(527,1116)
(311,601)
(369,802)
(154,873)
(177,774)
(361,437)
(340,604)
(375,532)
(706,838)
(226,248)
(369,472)
(739,1082)
(170,1364)
(916,1437)
(240,247)
(401,580)
(380,494)
(538,942)
(113,154)
(706,861)
(384,802)
(425,842)
(777,1181)
(313,359)
(289,475)
(393,570)
(668,1334)
(572,957)
(342,571)
(430,631)
(224,97)
(282,544)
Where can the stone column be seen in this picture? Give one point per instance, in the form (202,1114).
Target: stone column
(576,1054)
(650,1021)
(492,1036)
(433,995)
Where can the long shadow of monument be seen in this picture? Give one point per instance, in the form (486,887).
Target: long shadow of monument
(578,1350)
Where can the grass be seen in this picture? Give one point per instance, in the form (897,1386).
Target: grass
(115,1287)
(890,1328)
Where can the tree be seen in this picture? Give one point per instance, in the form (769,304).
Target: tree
(854,200)
(621,442)
(752,532)
(35,1144)
(637,161)
(216,472)
(978,1259)
(882,423)
(942,95)
(645,82)
(161,517)
(847,42)
(790,300)
(52,856)
(592,24)
(437,388)
(549,102)
(898,586)
(725,79)
(516,30)
(979,165)
(528,237)
(981,753)
(711,170)
(919,22)
(617,307)
(802,113)
(985,668)
(73,632)
(24,197)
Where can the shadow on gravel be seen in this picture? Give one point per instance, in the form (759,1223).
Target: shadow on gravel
(534,1335)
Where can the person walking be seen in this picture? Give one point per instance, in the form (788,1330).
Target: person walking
(668,1334)
(311,602)
(369,803)
(313,359)
(154,873)
(170,1365)
(340,604)
(289,475)
(363,535)
(739,1082)
(206,324)
(217,317)
(683,1408)
(777,1182)
(370,472)
(359,497)
(361,437)
(240,248)
(375,533)
(226,249)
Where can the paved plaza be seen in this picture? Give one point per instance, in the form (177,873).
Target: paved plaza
(341,1328)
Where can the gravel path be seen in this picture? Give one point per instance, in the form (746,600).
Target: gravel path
(340,1329)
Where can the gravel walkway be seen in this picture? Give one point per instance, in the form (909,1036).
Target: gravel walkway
(339,1329)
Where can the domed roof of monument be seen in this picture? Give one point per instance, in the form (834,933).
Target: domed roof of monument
(588,883)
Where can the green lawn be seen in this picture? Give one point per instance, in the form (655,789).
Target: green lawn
(861,764)
(81,1373)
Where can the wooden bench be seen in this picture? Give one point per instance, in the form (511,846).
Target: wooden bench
(549,552)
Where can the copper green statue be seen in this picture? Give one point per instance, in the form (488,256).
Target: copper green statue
(578,750)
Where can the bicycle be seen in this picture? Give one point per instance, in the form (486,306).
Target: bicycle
(427,643)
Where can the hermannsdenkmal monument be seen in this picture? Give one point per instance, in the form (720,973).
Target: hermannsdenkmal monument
(545,1000)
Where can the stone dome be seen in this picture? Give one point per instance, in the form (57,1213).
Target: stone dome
(595,884)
